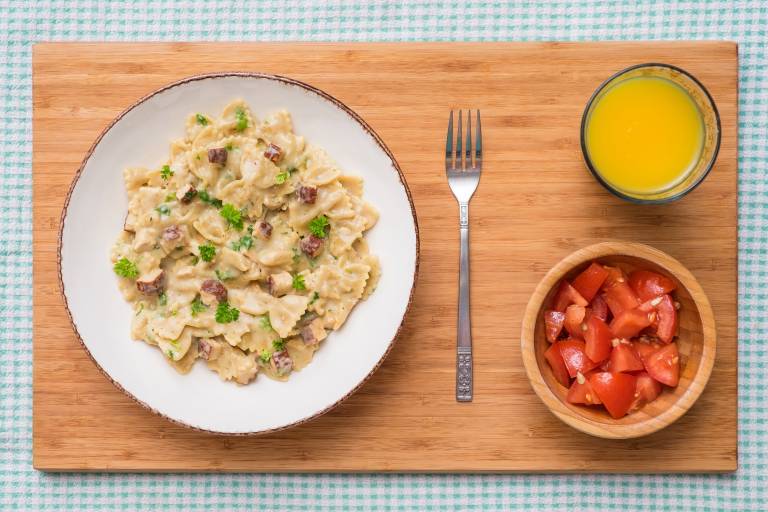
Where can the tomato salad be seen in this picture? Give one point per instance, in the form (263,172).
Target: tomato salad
(613,337)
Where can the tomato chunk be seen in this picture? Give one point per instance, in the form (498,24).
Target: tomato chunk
(629,323)
(589,282)
(567,295)
(615,390)
(617,293)
(555,360)
(576,360)
(667,319)
(664,365)
(598,337)
(553,324)
(647,284)
(574,318)
(625,359)
(582,393)
(600,308)
(647,388)
(644,350)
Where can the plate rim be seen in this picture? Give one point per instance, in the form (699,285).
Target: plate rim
(241,74)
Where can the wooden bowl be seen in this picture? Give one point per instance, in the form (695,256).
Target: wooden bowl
(696,343)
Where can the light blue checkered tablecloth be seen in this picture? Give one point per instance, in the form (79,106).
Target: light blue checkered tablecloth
(24,22)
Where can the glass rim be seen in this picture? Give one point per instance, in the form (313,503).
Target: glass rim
(617,192)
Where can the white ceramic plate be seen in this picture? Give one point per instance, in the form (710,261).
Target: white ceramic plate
(94,215)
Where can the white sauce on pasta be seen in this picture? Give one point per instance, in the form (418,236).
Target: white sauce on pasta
(245,256)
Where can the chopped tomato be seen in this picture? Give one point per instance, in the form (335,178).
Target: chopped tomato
(575,358)
(617,293)
(667,319)
(600,308)
(553,322)
(615,390)
(625,359)
(598,336)
(589,282)
(567,295)
(629,323)
(574,318)
(647,388)
(647,284)
(644,350)
(664,365)
(555,360)
(582,393)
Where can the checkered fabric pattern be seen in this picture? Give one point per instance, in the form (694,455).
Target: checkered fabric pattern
(24,22)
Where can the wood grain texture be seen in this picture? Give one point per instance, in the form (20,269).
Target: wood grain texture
(536,203)
(695,342)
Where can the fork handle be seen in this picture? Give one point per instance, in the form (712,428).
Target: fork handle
(464,332)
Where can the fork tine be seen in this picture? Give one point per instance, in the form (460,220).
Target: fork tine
(449,143)
(468,151)
(478,142)
(459,164)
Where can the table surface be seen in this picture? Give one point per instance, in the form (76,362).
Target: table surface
(22,23)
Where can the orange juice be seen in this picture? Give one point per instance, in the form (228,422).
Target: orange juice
(644,135)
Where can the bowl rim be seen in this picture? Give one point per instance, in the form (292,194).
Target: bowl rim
(615,191)
(534,307)
(263,76)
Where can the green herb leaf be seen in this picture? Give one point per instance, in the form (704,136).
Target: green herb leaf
(278,344)
(195,259)
(281,178)
(207,252)
(170,197)
(170,354)
(298,282)
(163,209)
(126,268)
(232,215)
(206,198)
(223,275)
(166,172)
(245,242)
(242,120)
(296,254)
(265,323)
(315,296)
(229,147)
(141,308)
(162,299)
(197,306)
(318,226)
(201,119)
(226,314)
(265,355)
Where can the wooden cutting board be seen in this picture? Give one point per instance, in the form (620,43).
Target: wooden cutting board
(536,203)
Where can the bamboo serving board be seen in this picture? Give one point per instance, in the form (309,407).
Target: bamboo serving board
(536,203)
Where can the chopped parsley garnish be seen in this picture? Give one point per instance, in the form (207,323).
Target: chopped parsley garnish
(206,198)
(141,308)
(298,282)
(281,178)
(166,172)
(223,275)
(318,226)
(278,344)
(265,323)
(126,268)
(195,259)
(315,296)
(232,215)
(226,313)
(170,197)
(242,120)
(162,299)
(170,354)
(207,252)
(245,242)
(229,147)
(265,355)
(201,119)
(163,209)
(197,306)
(296,254)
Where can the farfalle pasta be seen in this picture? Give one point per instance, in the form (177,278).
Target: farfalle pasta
(245,249)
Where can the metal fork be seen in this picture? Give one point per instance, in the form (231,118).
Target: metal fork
(463,176)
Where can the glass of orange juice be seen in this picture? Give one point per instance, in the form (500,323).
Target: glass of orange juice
(650,133)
